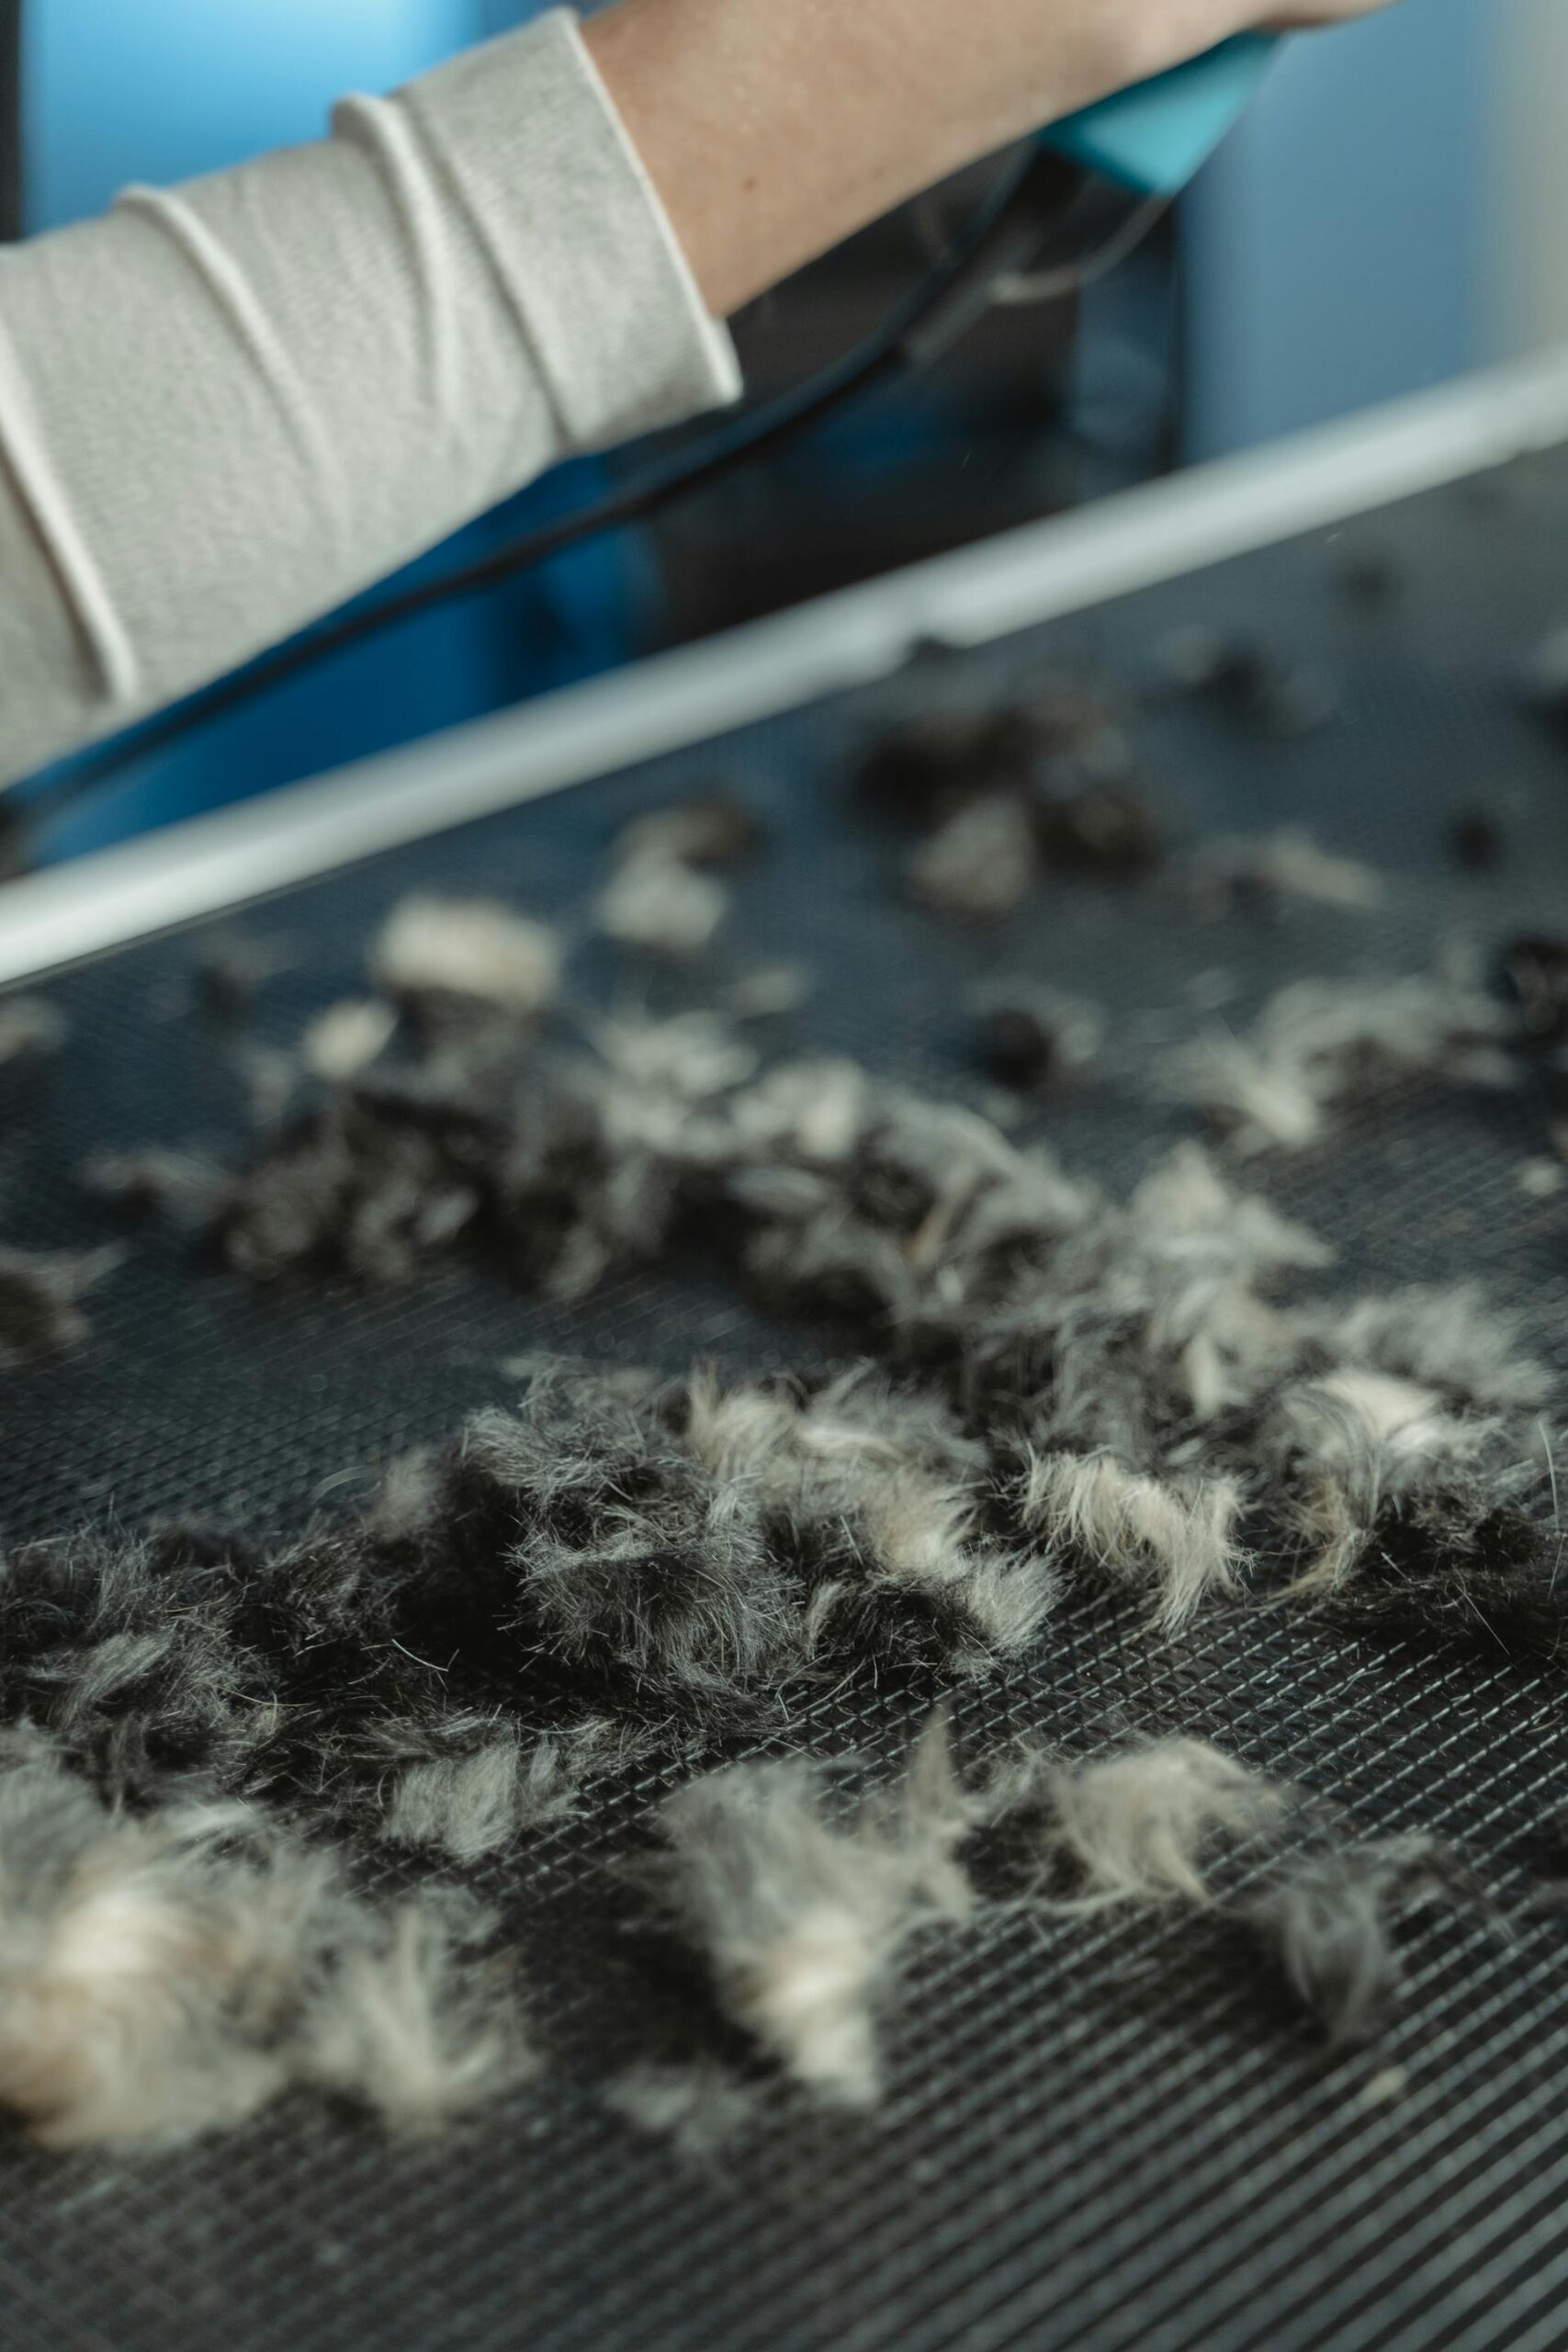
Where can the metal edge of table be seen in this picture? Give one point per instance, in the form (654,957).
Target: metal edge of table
(1044,570)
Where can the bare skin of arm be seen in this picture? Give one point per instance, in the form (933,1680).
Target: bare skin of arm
(772,128)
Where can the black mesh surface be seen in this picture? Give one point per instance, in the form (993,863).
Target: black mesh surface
(1099,2134)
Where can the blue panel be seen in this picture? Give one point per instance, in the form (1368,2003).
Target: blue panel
(1336,247)
(163,90)
(1155,137)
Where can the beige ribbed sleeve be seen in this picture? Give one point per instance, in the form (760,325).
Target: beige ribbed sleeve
(225,407)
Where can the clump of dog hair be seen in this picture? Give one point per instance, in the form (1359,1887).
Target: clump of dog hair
(1001,795)
(658,897)
(924,769)
(1246,679)
(355,1186)
(1077,737)
(1447,1337)
(699,2108)
(40,1295)
(643,1580)
(1465,1562)
(475,949)
(128,1653)
(1177,1534)
(31,1029)
(1330,1922)
(770,989)
(1104,832)
(1125,1325)
(176,1673)
(1356,1442)
(1145,1336)
(661,905)
(406,1500)
(407,2032)
(802,1919)
(711,829)
(1139,1825)
(870,1496)
(1031,1037)
(1541,1179)
(979,865)
(913,1580)
(1318,1041)
(1535,971)
(232,968)
(127,1947)
(1257,871)
(1476,839)
(484,1786)
(272,1077)
(875,1201)
(561,1167)
(183,1667)
(169,1973)
(951,1244)
(347,1037)
(668,1559)
(684,1553)
(1258,1100)
(687,1058)
(816,1110)
(815,1446)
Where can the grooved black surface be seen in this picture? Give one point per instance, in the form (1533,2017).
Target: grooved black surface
(12,176)
(1098,2133)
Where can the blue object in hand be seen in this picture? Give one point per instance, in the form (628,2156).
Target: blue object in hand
(1153,139)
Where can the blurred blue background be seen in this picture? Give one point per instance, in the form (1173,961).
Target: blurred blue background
(1343,248)
(1339,240)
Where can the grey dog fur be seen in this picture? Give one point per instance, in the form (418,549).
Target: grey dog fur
(166,1974)
(801,1919)
(1330,1922)
(1066,1382)
(40,1295)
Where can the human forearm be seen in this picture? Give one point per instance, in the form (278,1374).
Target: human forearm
(224,412)
(219,416)
(772,128)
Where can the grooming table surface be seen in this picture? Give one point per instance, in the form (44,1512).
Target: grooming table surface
(1103,2134)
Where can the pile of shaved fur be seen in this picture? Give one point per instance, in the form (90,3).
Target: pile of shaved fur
(213,1752)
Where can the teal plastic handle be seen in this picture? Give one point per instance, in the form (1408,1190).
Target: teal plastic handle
(1155,137)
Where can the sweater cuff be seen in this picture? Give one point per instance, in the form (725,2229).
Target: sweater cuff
(528,138)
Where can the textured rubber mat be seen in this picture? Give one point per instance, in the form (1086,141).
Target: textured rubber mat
(1095,2134)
